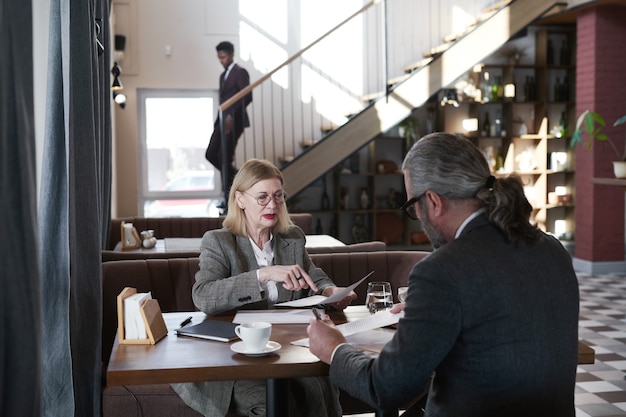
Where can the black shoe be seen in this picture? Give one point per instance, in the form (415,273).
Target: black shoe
(222,205)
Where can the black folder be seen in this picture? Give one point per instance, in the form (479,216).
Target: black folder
(222,331)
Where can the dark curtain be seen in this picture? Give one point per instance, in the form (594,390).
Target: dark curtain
(20,308)
(74,205)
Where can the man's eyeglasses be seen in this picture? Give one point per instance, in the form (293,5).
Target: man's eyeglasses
(264,199)
(409,207)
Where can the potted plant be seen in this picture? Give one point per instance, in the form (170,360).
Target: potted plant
(591,124)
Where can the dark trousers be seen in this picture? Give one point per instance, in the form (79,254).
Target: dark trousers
(214,153)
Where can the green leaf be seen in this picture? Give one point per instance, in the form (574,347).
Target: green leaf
(598,119)
(620,121)
(581,119)
(576,139)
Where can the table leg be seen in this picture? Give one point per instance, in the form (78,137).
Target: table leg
(277,397)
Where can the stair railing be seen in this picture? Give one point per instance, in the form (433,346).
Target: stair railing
(290,112)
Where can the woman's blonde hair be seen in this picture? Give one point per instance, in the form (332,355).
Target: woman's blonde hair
(253,171)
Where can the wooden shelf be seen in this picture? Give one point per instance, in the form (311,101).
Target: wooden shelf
(610,181)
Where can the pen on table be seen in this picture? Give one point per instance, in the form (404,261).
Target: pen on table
(186,321)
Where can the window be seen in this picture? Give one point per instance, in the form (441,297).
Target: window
(175,127)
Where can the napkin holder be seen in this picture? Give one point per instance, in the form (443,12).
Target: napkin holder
(130,237)
(152,317)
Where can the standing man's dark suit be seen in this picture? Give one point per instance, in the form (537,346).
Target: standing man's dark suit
(232,80)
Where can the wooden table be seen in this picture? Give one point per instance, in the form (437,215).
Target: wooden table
(191,244)
(180,359)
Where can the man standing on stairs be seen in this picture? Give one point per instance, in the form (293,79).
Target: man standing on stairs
(235,118)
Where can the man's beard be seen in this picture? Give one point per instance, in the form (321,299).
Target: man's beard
(435,236)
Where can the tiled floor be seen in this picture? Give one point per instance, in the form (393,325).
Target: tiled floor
(601,387)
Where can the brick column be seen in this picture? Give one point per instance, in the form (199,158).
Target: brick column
(600,86)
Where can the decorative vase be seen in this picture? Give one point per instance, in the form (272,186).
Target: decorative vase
(364,199)
(360,233)
(619,169)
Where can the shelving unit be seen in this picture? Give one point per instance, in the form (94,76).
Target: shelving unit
(376,171)
(532,138)
(375,193)
(536,110)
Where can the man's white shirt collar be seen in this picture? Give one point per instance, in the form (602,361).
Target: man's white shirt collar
(466,221)
(228,69)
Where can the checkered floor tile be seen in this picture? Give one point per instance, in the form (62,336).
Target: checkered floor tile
(601,387)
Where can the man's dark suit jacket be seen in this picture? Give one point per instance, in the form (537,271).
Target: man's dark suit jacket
(237,80)
(497,324)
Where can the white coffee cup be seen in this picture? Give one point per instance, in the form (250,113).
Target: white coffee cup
(255,335)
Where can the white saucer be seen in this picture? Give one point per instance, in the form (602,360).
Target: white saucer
(240,347)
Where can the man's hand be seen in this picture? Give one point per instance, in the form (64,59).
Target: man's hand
(228,124)
(324,338)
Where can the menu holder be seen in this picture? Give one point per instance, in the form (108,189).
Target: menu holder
(152,317)
(126,243)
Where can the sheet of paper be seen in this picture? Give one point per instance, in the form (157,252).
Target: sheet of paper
(320,299)
(375,321)
(274,316)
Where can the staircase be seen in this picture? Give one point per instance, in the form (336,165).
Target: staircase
(439,69)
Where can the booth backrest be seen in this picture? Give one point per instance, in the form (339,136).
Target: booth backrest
(186,226)
(170,280)
(118,255)
(373,246)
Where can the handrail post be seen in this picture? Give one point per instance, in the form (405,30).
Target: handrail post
(387,87)
(224,151)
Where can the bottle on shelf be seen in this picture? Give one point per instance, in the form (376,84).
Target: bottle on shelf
(344,201)
(563,124)
(557,90)
(564,55)
(565,89)
(550,53)
(497,90)
(527,88)
(325,199)
(486,87)
(486,130)
(497,126)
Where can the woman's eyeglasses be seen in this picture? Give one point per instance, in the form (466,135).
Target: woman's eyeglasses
(409,207)
(264,199)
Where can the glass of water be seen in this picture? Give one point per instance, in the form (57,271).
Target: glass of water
(379,297)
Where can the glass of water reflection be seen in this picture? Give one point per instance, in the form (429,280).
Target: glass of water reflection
(379,297)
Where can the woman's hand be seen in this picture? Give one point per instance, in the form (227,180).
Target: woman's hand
(343,303)
(293,277)
(397,308)
(324,338)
